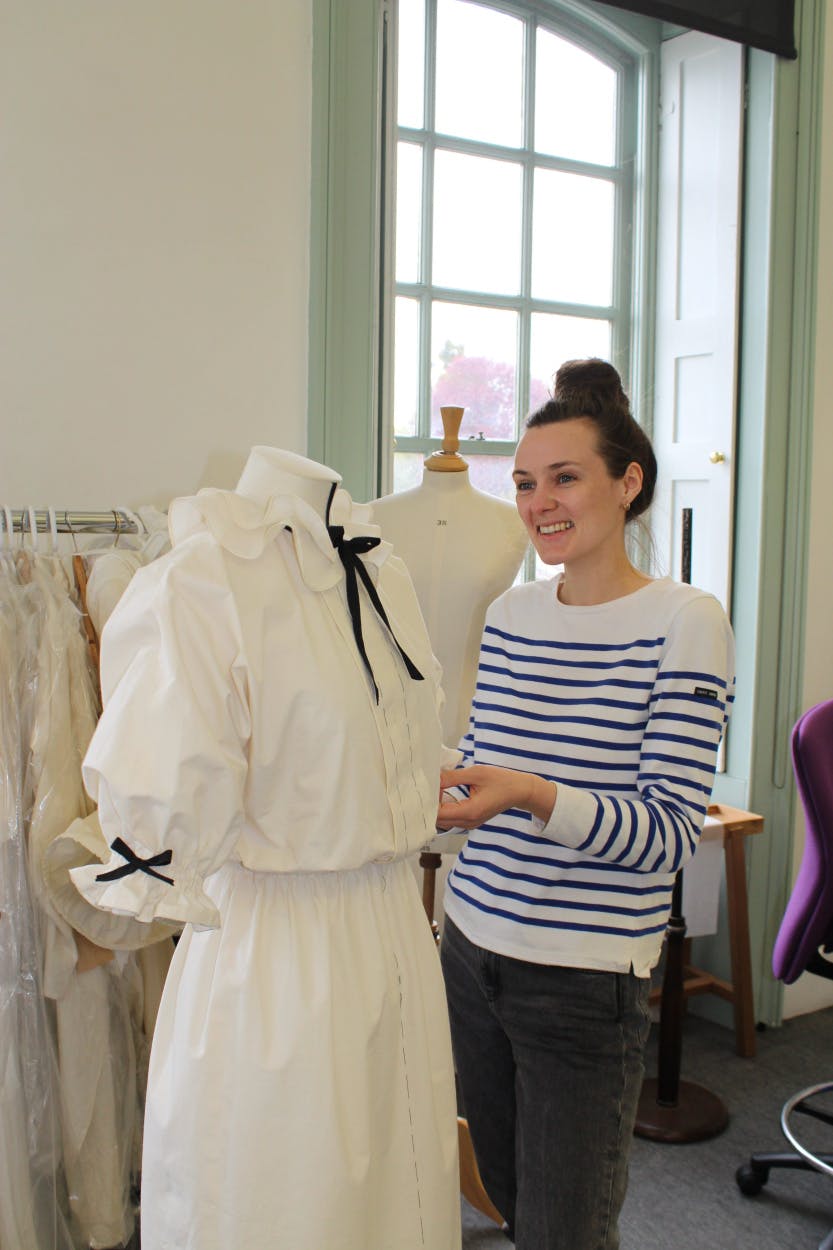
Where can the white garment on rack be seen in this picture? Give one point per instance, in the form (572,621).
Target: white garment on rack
(64,718)
(96,1058)
(301,1084)
(110,575)
(33,1212)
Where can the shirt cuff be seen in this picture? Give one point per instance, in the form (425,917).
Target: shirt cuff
(143,895)
(571,818)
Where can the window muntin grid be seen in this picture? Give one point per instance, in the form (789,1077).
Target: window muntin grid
(514,225)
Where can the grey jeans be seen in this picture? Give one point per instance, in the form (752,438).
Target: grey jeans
(550,1065)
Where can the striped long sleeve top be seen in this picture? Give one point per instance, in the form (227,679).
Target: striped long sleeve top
(623,705)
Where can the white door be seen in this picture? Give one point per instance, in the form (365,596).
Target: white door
(699,225)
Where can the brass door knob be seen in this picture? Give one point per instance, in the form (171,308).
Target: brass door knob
(717,457)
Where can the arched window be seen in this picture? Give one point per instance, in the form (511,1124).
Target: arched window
(517,219)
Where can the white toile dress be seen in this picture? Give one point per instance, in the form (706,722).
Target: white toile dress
(301,1083)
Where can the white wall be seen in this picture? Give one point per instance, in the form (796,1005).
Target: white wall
(810,993)
(154,241)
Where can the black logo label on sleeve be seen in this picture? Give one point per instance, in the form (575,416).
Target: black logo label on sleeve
(705,692)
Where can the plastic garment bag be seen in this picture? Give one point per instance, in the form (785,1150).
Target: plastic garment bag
(68,1087)
(96,1060)
(33,1200)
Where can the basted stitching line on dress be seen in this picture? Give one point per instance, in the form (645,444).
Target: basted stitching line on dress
(408,1095)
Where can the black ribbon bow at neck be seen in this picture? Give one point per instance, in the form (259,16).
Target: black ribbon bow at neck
(136,864)
(349,550)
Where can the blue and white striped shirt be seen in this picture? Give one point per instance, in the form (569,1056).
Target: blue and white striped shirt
(623,704)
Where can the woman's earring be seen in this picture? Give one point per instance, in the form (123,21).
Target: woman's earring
(626,505)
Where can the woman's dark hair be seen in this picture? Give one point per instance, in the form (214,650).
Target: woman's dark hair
(593,389)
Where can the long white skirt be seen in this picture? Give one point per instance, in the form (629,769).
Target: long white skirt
(301,1089)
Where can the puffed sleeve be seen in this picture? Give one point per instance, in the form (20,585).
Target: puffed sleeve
(167,762)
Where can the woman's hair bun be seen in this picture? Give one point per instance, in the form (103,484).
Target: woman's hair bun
(588,385)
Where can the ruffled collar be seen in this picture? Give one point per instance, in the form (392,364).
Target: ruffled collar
(245,527)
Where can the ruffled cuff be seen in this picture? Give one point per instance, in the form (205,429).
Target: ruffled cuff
(141,885)
(84,844)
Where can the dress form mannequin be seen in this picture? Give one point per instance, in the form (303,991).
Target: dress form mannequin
(290,781)
(462,548)
(271,472)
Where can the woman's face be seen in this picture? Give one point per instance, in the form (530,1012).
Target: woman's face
(571,506)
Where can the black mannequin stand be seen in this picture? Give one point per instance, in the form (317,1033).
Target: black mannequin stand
(671,1110)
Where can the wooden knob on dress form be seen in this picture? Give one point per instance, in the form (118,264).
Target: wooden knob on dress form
(448,460)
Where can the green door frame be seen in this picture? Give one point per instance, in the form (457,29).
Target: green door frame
(345,213)
(772,521)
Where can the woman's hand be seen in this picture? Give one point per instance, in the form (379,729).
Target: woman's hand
(493,790)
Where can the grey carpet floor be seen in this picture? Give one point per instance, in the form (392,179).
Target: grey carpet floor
(684,1197)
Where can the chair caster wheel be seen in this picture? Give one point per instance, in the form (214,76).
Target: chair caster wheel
(751,1180)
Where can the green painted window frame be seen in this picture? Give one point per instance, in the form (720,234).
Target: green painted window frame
(348,76)
(348,291)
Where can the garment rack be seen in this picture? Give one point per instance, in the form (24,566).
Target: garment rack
(113,521)
(52,521)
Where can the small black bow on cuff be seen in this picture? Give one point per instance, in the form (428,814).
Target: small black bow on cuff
(135,864)
(349,550)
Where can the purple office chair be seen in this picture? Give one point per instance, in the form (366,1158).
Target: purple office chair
(806,932)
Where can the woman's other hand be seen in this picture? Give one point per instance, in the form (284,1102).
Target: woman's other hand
(493,790)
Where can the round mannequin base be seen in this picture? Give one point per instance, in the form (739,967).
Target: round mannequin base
(696,1115)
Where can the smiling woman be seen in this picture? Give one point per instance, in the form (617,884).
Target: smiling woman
(601,699)
(582,470)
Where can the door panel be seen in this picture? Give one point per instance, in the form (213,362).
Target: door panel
(700,156)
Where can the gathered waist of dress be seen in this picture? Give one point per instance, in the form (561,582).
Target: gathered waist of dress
(291,874)
(235,885)
(332,842)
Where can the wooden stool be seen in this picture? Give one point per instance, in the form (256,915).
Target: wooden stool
(429,862)
(471,1184)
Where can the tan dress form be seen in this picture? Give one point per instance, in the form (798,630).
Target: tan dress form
(463,548)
